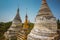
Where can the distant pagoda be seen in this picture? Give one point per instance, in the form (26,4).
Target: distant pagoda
(22,35)
(45,27)
(26,23)
(14,28)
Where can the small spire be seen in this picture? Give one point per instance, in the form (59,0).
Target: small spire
(26,16)
(26,13)
(18,10)
(17,17)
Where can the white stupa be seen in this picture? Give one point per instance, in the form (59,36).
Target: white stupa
(14,28)
(45,27)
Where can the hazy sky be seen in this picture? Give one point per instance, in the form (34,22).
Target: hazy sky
(8,9)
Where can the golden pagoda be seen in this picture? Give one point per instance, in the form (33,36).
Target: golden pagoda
(26,24)
(26,27)
(22,35)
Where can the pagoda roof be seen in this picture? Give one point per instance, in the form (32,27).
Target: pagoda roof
(44,10)
(17,17)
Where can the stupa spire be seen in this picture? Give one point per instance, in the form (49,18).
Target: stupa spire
(43,1)
(26,14)
(26,17)
(45,10)
(17,17)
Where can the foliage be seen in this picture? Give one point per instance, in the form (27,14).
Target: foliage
(30,26)
(3,28)
(58,23)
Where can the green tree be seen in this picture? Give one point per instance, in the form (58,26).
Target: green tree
(58,23)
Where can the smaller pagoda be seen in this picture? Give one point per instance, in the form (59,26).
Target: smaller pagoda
(22,35)
(26,24)
(14,28)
